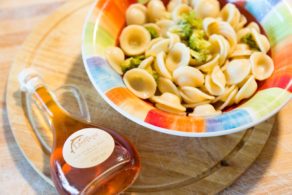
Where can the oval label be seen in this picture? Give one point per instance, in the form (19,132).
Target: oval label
(88,147)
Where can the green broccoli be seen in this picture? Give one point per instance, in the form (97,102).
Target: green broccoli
(191,19)
(200,57)
(198,43)
(183,29)
(249,40)
(132,62)
(152,72)
(185,26)
(153,32)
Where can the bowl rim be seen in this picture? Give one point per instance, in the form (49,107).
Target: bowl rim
(161,129)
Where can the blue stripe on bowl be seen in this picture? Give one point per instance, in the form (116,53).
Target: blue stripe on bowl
(229,120)
(260,8)
(103,75)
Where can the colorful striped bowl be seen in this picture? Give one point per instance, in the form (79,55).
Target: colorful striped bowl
(102,28)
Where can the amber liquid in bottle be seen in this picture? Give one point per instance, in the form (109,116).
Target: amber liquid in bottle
(111,176)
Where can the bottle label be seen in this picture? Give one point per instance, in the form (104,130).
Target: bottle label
(88,147)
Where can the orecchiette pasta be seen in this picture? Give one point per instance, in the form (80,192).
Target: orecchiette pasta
(261,65)
(136,14)
(155,10)
(160,66)
(205,110)
(169,102)
(194,95)
(166,85)
(140,82)
(180,10)
(159,46)
(206,8)
(134,40)
(188,76)
(179,55)
(230,14)
(115,57)
(237,70)
(191,54)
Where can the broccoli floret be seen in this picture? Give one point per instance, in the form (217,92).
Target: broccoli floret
(152,72)
(200,57)
(183,29)
(249,40)
(132,62)
(187,24)
(190,18)
(155,75)
(198,43)
(153,32)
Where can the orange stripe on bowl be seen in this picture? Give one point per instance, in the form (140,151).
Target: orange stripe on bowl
(129,103)
(281,78)
(170,121)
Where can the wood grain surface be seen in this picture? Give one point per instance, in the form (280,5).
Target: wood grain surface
(271,173)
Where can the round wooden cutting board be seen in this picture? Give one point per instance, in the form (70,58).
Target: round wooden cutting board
(170,164)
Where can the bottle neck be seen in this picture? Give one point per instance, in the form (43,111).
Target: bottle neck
(46,102)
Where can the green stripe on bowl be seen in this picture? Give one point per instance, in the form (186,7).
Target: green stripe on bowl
(266,101)
(96,40)
(278,22)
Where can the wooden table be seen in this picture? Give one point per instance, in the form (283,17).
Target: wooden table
(271,173)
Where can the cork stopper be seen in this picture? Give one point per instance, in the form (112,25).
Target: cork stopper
(29,80)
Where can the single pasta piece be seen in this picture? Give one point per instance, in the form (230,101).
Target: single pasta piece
(262,65)
(212,87)
(174,38)
(174,3)
(220,45)
(206,8)
(155,10)
(178,56)
(241,50)
(218,77)
(225,95)
(165,25)
(215,26)
(229,100)
(247,90)
(192,95)
(188,76)
(136,14)
(196,104)
(159,46)
(115,56)
(140,82)
(242,22)
(169,101)
(205,110)
(134,40)
(208,67)
(230,14)
(261,41)
(154,30)
(152,42)
(237,70)
(160,67)
(255,26)
(166,85)
(146,63)
(179,11)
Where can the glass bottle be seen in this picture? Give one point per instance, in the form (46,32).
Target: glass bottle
(85,158)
